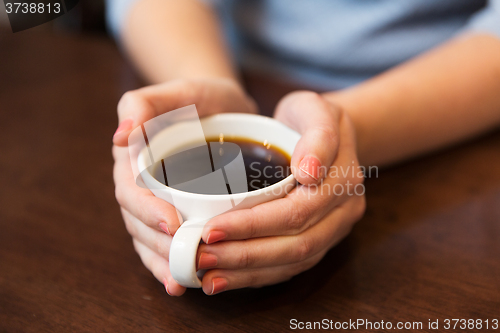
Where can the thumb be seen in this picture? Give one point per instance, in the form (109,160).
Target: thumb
(317,121)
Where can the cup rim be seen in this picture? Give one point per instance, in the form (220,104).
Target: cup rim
(238,196)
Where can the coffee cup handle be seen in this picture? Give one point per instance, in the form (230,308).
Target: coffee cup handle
(183,251)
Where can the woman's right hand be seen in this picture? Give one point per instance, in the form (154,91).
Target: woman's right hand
(149,220)
(210,95)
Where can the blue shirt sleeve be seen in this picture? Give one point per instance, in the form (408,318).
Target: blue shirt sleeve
(486,20)
(117,11)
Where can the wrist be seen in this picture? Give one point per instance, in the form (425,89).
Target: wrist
(225,91)
(342,99)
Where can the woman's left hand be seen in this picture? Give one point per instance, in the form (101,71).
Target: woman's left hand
(275,241)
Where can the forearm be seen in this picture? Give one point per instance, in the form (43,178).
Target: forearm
(446,95)
(171,39)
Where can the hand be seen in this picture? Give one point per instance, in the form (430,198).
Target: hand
(149,220)
(275,241)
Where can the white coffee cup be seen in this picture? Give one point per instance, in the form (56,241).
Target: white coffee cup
(197,209)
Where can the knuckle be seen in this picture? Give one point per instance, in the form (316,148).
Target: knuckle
(304,95)
(188,90)
(126,99)
(119,195)
(310,97)
(294,94)
(304,249)
(139,251)
(252,224)
(253,280)
(327,132)
(295,223)
(147,214)
(114,153)
(131,229)
(360,209)
(289,101)
(298,219)
(153,265)
(306,100)
(133,101)
(189,83)
(308,264)
(159,246)
(136,246)
(244,259)
(358,177)
(358,180)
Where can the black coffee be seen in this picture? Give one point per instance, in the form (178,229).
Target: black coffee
(264,165)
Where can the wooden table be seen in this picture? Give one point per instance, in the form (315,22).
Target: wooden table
(427,248)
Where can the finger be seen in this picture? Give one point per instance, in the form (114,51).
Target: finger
(286,216)
(291,215)
(210,96)
(156,241)
(219,280)
(140,202)
(282,250)
(159,267)
(317,120)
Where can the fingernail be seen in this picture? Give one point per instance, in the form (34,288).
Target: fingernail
(207,261)
(124,126)
(215,236)
(311,166)
(218,285)
(165,283)
(164,227)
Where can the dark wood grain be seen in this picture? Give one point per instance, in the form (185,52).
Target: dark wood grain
(427,248)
